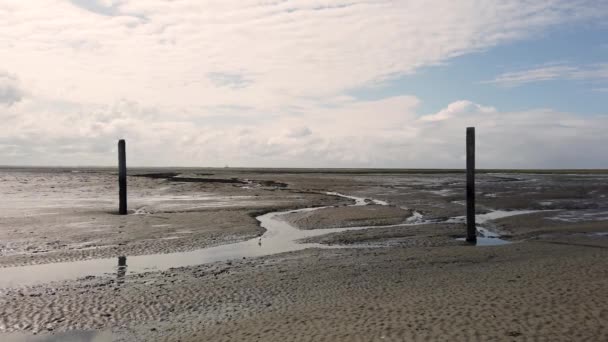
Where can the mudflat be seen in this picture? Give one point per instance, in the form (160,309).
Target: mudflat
(337,217)
(386,265)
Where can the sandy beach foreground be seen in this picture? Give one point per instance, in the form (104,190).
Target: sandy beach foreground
(210,256)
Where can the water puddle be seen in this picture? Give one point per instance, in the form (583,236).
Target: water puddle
(488,241)
(70,336)
(358,200)
(581,215)
(279,237)
(442,192)
(170,238)
(415,218)
(486,237)
(493,215)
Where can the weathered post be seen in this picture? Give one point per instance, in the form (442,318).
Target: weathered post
(122,261)
(471,230)
(122,270)
(122,178)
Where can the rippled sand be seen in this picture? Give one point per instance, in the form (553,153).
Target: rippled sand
(409,282)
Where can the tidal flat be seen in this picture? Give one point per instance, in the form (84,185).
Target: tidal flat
(302,255)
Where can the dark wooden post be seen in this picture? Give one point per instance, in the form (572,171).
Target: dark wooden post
(471,230)
(122,270)
(122,178)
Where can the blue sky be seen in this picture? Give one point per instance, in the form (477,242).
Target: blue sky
(304,83)
(464,77)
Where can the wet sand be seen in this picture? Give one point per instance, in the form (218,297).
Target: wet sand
(336,217)
(63,216)
(410,281)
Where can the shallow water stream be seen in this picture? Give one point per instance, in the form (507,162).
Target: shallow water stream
(279,237)
(70,336)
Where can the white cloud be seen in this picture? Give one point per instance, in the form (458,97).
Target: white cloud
(597,72)
(384,133)
(10,91)
(458,108)
(259,83)
(298,132)
(161,52)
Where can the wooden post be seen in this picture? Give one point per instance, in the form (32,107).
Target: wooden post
(471,230)
(122,270)
(122,178)
(122,261)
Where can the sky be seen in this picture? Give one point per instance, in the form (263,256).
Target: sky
(304,83)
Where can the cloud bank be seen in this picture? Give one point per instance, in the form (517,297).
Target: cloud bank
(594,72)
(266,83)
(350,133)
(9,89)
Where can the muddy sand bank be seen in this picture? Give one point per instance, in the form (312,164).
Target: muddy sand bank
(526,291)
(347,216)
(407,278)
(58,217)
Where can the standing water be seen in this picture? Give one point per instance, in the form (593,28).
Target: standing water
(279,237)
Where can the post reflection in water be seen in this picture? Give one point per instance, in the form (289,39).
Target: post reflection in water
(121,270)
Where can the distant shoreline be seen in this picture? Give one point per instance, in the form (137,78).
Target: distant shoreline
(300,170)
